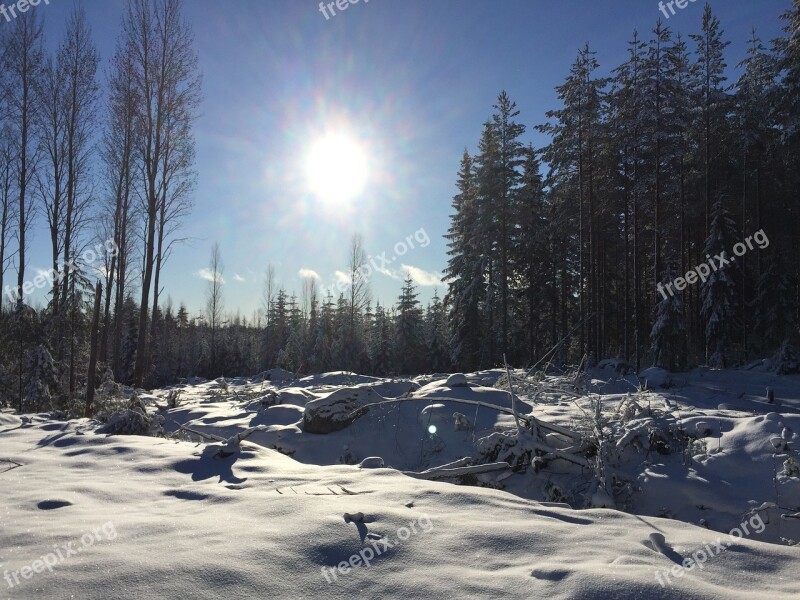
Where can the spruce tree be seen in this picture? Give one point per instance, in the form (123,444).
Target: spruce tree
(437,336)
(510,159)
(719,291)
(531,259)
(409,334)
(668,336)
(380,342)
(712,125)
(464,271)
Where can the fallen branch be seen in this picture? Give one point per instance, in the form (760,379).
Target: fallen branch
(461,462)
(563,454)
(440,473)
(208,436)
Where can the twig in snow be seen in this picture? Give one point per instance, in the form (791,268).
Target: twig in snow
(513,398)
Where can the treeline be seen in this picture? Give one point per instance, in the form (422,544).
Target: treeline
(649,173)
(306,334)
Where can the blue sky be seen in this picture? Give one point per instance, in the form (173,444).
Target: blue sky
(411,80)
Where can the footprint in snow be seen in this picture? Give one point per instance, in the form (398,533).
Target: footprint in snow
(549,574)
(53,504)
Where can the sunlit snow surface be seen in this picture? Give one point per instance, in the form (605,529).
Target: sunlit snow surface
(264,522)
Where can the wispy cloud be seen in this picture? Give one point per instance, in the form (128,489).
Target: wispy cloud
(208,275)
(389,273)
(342,277)
(239,278)
(308,273)
(423,278)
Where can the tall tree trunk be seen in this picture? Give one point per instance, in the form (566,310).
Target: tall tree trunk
(142,342)
(91,376)
(107,311)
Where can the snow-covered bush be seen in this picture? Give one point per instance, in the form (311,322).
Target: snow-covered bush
(109,398)
(787,360)
(133,420)
(791,468)
(173,399)
(554,493)
(108,387)
(271,398)
(42,382)
(502,447)
(462,423)
(655,377)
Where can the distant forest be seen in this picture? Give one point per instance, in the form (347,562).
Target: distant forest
(557,255)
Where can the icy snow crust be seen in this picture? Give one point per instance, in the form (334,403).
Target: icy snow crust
(265,520)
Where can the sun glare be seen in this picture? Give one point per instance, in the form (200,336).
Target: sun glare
(336,168)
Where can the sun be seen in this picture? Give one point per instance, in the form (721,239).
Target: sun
(337,168)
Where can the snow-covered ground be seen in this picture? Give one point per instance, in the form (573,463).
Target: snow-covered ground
(288,513)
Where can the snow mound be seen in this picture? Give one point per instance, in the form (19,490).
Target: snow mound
(474,393)
(9,421)
(278,375)
(656,377)
(338,409)
(296,396)
(336,378)
(457,380)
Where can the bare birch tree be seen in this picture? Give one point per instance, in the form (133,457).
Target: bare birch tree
(119,155)
(268,294)
(77,61)
(22,61)
(167,81)
(215,304)
(7,203)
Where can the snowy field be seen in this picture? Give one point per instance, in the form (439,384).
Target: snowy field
(686,486)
